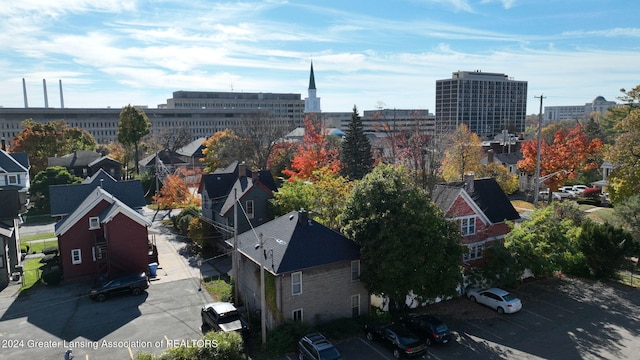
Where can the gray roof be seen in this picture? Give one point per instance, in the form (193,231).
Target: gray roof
(297,243)
(193,149)
(79,158)
(66,198)
(487,195)
(13,162)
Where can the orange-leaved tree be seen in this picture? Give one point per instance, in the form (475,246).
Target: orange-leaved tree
(313,153)
(175,193)
(570,153)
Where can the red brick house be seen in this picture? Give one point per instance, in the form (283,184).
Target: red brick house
(102,237)
(481,209)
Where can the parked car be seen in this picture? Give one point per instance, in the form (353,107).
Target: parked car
(402,340)
(579,188)
(568,191)
(315,346)
(544,195)
(134,283)
(432,329)
(223,316)
(497,299)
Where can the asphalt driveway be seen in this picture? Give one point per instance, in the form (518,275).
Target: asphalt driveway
(561,319)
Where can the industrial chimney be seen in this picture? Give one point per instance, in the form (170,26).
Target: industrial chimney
(46,98)
(24,93)
(61,97)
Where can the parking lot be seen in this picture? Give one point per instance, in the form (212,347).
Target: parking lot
(561,319)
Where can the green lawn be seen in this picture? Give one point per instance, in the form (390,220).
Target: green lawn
(32,273)
(42,236)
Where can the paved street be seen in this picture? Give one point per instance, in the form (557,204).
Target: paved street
(44,323)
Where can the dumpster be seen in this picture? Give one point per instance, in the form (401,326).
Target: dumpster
(153,268)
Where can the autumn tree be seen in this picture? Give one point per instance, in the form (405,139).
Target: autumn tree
(463,154)
(223,148)
(508,182)
(314,152)
(355,157)
(175,193)
(170,139)
(39,190)
(133,126)
(280,157)
(44,140)
(570,153)
(407,245)
(324,197)
(624,180)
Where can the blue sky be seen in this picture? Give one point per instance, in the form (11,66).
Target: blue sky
(368,53)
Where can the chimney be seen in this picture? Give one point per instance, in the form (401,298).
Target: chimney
(242,170)
(46,98)
(303,217)
(468,179)
(489,156)
(4,144)
(24,93)
(61,97)
(254,176)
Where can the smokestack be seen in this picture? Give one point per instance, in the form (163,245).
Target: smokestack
(61,97)
(24,93)
(46,99)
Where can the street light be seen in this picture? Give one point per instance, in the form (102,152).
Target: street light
(263,299)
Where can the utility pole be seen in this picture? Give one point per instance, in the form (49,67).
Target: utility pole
(537,176)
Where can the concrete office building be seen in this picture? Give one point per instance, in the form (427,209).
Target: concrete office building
(486,102)
(578,112)
(203,113)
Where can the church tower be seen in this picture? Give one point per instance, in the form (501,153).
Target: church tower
(312,103)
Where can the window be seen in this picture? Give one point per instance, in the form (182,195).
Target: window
(475,252)
(296,283)
(355,270)
(355,305)
(12,180)
(249,206)
(467,225)
(76,257)
(94,223)
(297,315)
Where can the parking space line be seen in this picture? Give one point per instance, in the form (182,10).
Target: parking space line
(551,304)
(513,322)
(488,332)
(538,315)
(373,348)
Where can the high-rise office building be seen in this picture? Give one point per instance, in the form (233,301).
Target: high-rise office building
(486,102)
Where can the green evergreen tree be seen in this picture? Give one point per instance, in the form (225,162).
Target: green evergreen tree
(605,248)
(356,157)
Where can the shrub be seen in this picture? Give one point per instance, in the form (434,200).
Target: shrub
(591,193)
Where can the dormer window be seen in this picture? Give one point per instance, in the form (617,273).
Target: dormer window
(94,223)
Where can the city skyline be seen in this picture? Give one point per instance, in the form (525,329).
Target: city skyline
(371,54)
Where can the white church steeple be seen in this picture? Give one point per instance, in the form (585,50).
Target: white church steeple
(312,103)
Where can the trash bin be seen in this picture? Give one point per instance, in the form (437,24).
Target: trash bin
(153,268)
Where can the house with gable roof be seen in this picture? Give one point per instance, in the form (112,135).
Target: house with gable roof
(482,211)
(101,231)
(312,272)
(85,163)
(14,174)
(251,189)
(102,237)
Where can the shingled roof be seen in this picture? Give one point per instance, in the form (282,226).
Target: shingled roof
(66,198)
(298,243)
(13,162)
(486,194)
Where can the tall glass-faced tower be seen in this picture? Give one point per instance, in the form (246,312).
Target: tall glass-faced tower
(487,103)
